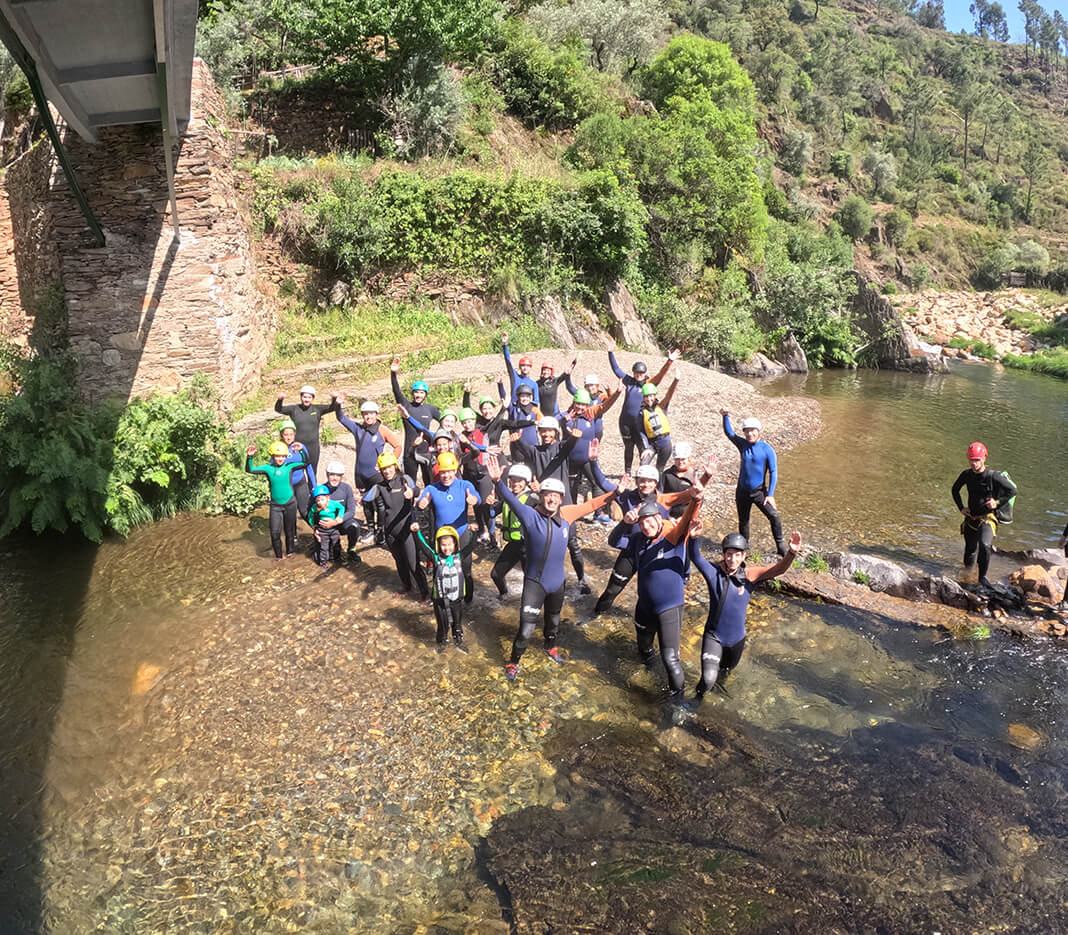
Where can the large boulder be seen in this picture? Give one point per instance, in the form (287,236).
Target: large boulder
(626,327)
(892,343)
(1038,584)
(757,366)
(791,354)
(882,575)
(942,590)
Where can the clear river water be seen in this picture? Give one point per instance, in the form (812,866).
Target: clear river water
(194,739)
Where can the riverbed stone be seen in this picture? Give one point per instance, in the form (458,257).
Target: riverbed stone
(883,574)
(1037,583)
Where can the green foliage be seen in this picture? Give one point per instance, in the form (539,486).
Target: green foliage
(584,232)
(424,112)
(855,216)
(815,562)
(897,225)
(544,87)
(881,167)
(239,492)
(862,577)
(950,174)
(1053,362)
(796,151)
(697,70)
(841,165)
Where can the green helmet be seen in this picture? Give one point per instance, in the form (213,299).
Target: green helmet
(486,399)
(466,414)
(649,389)
(449,412)
(581,398)
(287,424)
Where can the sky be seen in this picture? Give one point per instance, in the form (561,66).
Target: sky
(958,17)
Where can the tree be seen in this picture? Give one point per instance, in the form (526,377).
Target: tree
(1032,13)
(1033,163)
(919,99)
(620,34)
(855,216)
(698,69)
(881,167)
(990,22)
(931,14)
(796,151)
(969,98)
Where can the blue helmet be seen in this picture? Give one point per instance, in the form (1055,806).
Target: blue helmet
(321,490)
(420,385)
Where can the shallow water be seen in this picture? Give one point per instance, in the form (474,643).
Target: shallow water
(198,739)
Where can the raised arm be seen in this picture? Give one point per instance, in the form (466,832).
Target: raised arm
(353,427)
(671,358)
(681,529)
(605,404)
(767,572)
(702,564)
(398,393)
(283,410)
(573,511)
(670,394)
(616,369)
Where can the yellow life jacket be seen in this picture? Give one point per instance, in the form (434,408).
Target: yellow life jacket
(655,422)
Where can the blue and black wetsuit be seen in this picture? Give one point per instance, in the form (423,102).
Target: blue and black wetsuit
(394,512)
(516,380)
(416,446)
(344,495)
(757,478)
(546,540)
(724,638)
(449,507)
(630,429)
(370,441)
(302,478)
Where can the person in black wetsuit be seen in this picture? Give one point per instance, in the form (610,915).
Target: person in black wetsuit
(416,449)
(630,425)
(393,497)
(518,477)
(548,385)
(342,492)
(988,491)
(306,417)
(680,475)
(730,585)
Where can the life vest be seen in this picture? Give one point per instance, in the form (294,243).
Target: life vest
(655,422)
(449,578)
(511,528)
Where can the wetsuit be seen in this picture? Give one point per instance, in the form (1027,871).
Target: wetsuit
(344,495)
(551,461)
(528,433)
(629,426)
(473,469)
(757,478)
(547,391)
(619,537)
(283,515)
(516,380)
(371,441)
(662,566)
(579,467)
(394,512)
(724,639)
(1064,535)
(675,481)
(449,591)
(449,506)
(981,526)
(546,539)
(656,429)
(302,478)
(594,400)
(511,542)
(327,536)
(416,447)
(306,419)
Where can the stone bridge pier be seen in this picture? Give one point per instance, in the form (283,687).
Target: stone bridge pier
(148,310)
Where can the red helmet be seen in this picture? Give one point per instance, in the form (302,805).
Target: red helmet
(548,367)
(976,451)
(525,362)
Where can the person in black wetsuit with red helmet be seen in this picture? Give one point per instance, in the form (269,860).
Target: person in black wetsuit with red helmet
(988,491)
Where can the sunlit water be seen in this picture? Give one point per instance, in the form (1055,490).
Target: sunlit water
(198,739)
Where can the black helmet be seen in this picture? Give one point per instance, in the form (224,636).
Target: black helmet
(648,508)
(639,367)
(734,540)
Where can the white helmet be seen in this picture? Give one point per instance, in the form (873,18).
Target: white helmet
(591,379)
(520,470)
(751,423)
(548,422)
(647,472)
(682,450)
(369,406)
(335,467)
(310,390)
(552,485)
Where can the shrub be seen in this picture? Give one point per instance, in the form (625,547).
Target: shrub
(1032,258)
(424,112)
(796,151)
(862,577)
(919,277)
(815,562)
(855,217)
(842,165)
(881,167)
(949,174)
(696,69)
(1057,279)
(897,225)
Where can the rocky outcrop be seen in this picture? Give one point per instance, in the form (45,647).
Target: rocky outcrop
(892,345)
(878,573)
(625,325)
(759,365)
(1039,584)
(944,317)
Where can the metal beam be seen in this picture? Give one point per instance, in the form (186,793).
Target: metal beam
(29,69)
(106,71)
(115,117)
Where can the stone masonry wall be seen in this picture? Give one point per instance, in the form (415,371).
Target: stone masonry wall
(146,312)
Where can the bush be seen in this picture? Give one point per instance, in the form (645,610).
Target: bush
(696,69)
(796,151)
(897,224)
(881,167)
(1033,259)
(815,562)
(949,174)
(855,217)
(919,277)
(424,113)
(842,165)
(1057,280)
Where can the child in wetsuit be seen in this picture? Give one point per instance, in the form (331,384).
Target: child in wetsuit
(279,471)
(322,512)
(448,578)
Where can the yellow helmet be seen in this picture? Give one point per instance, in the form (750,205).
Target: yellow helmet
(278,449)
(447,531)
(387,459)
(447,461)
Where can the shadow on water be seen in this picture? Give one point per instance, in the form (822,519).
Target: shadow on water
(43,586)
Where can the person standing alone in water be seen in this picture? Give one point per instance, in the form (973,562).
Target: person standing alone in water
(757,477)
(989,492)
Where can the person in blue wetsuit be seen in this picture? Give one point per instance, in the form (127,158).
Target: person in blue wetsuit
(585,415)
(371,438)
(545,533)
(630,429)
(303,476)
(730,585)
(757,477)
(416,448)
(448,498)
(523,378)
(342,492)
(659,553)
